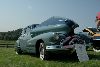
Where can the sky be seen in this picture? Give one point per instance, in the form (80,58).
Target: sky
(16,14)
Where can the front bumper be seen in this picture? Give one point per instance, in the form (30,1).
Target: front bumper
(59,48)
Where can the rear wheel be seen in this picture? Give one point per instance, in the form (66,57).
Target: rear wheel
(18,50)
(43,53)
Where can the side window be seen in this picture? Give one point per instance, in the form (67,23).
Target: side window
(28,30)
(33,26)
(24,31)
(33,34)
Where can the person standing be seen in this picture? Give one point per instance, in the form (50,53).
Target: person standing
(98,21)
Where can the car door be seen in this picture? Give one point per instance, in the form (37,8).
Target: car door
(29,46)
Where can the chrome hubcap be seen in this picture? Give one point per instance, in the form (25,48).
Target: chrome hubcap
(41,51)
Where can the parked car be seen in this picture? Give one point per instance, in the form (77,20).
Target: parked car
(95,36)
(54,35)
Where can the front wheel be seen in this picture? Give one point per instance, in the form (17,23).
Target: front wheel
(43,53)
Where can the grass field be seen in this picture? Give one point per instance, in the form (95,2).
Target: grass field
(8,58)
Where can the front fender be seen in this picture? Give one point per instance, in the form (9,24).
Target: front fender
(45,37)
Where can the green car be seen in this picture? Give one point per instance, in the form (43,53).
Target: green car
(54,35)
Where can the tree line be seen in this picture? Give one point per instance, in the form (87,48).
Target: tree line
(10,35)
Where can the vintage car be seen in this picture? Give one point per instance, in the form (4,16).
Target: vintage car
(95,36)
(54,35)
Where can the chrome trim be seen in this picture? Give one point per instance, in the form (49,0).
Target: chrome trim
(58,47)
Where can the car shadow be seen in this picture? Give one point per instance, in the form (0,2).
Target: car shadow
(72,59)
(58,57)
(67,58)
(63,58)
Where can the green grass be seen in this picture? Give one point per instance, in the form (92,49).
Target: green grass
(8,58)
